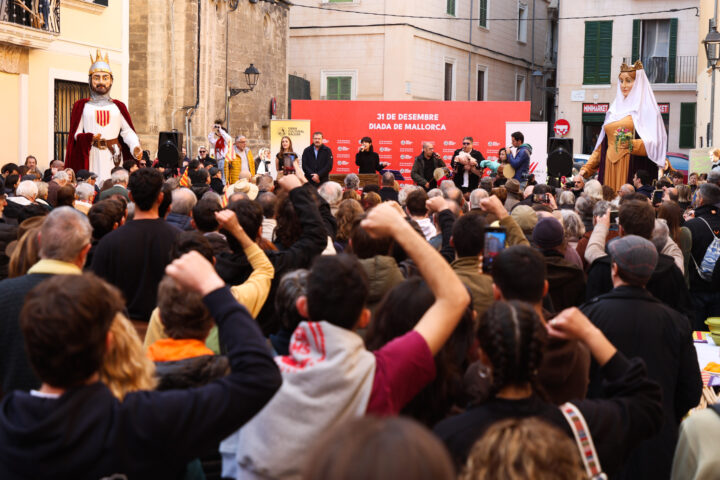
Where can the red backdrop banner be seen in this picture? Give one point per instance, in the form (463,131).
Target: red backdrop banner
(398,129)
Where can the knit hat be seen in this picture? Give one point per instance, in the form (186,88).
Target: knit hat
(525,217)
(512,186)
(548,233)
(634,255)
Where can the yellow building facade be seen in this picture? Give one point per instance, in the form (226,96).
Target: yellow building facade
(45,48)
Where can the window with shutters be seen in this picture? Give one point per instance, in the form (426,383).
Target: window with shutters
(483,14)
(338,84)
(520,88)
(481,83)
(339,88)
(687,125)
(449,90)
(522,20)
(598,53)
(654,42)
(451,7)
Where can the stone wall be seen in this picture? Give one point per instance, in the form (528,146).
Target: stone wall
(158,99)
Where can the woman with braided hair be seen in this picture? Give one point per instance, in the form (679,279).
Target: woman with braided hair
(511,342)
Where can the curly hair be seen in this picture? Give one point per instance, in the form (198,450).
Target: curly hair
(351,195)
(125,367)
(347,212)
(398,313)
(513,337)
(516,449)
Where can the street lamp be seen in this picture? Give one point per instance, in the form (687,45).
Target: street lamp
(537,78)
(712,51)
(251,78)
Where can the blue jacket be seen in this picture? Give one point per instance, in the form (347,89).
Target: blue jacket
(520,162)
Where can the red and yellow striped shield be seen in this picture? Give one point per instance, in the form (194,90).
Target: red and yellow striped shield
(102,117)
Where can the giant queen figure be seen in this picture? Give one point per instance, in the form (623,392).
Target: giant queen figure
(633,136)
(101,131)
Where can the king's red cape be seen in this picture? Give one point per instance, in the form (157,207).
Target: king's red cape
(77,153)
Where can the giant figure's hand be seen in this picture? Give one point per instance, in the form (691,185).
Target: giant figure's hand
(137,153)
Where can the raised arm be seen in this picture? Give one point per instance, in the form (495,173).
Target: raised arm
(515,235)
(446,219)
(253,292)
(214,411)
(451,297)
(596,245)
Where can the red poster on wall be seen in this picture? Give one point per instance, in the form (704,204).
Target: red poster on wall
(398,129)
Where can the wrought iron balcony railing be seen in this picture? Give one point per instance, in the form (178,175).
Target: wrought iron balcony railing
(661,70)
(41,15)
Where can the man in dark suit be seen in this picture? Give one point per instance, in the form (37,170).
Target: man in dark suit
(317,161)
(387,192)
(119,179)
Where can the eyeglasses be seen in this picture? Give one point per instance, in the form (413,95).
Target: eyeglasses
(467,143)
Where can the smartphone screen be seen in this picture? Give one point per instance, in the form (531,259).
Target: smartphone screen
(657,197)
(494,244)
(613,217)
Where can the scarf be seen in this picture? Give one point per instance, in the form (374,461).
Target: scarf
(327,379)
(641,105)
(170,350)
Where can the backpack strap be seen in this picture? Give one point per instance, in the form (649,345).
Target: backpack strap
(709,227)
(584,441)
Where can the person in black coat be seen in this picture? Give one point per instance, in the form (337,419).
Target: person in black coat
(234,267)
(705,292)
(317,161)
(640,325)
(466,176)
(387,192)
(667,282)
(366,159)
(512,338)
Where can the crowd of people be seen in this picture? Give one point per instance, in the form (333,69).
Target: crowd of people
(226,323)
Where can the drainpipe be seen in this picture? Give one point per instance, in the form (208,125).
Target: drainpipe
(472,3)
(190,110)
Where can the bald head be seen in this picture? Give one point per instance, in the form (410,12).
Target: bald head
(626,189)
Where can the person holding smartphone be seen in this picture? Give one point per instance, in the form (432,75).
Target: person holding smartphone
(221,142)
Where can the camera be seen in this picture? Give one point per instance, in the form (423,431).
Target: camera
(569,184)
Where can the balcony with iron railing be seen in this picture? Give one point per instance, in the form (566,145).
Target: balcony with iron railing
(683,70)
(31,23)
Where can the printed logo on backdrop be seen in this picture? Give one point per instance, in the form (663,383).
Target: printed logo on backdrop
(408,125)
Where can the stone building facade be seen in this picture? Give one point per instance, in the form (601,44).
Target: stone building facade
(385,50)
(165,93)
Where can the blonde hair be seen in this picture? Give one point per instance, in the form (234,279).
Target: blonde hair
(518,449)
(26,253)
(125,367)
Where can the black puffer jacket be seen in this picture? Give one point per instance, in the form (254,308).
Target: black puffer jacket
(191,372)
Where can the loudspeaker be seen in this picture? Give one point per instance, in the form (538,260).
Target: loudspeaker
(169,149)
(560,158)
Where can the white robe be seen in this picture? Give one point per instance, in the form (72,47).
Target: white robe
(105,118)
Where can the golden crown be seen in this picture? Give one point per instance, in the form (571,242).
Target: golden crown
(631,68)
(99,64)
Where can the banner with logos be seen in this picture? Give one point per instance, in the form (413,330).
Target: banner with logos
(297,130)
(398,129)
